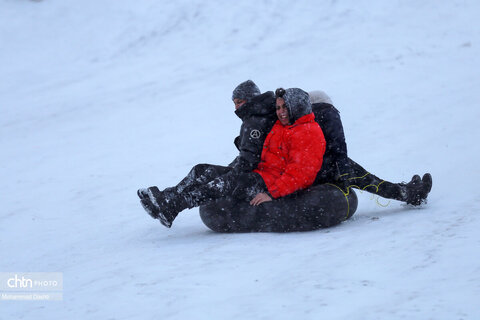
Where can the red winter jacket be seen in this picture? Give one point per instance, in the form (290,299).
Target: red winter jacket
(292,156)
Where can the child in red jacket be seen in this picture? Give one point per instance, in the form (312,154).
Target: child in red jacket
(292,155)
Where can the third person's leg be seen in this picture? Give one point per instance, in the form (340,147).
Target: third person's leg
(413,192)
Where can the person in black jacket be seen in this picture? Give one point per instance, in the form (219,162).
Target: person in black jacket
(258,114)
(339,169)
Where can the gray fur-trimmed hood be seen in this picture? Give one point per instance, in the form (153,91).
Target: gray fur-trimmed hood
(298,103)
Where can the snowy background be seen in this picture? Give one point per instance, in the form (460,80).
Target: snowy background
(99,98)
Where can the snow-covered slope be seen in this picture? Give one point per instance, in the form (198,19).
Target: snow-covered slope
(99,98)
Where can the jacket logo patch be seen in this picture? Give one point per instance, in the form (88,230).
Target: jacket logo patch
(255,134)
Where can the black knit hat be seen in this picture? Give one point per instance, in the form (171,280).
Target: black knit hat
(246,90)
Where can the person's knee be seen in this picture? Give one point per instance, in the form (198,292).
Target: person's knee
(200,167)
(248,185)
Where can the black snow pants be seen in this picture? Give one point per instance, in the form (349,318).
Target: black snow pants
(207,182)
(359,178)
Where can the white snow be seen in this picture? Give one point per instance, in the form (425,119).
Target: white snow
(100,98)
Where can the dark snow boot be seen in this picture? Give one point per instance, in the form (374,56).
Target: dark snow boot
(418,189)
(415,181)
(162,205)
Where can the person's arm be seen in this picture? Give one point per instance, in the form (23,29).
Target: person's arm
(335,138)
(236,142)
(258,117)
(306,150)
(250,144)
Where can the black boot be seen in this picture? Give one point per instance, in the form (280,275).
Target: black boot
(415,181)
(418,189)
(162,205)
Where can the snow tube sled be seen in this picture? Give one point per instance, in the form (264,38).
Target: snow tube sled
(319,206)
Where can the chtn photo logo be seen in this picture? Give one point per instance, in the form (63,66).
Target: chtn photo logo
(16,281)
(31,281)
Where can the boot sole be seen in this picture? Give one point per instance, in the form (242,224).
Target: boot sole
(150,208)
(155,213)
(142,194)
(427,181)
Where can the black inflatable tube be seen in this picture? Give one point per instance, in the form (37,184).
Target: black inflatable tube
(319,206)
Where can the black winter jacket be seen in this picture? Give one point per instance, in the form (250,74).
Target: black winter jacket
(335,159)
(258,116)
